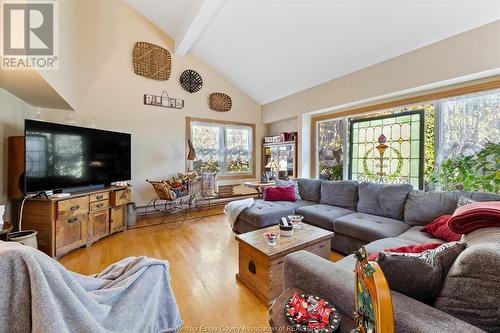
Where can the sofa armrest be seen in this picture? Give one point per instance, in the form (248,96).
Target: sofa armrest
(322,277)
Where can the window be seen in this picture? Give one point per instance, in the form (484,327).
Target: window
(223,147)
(331,149)
(450,144)
(467,124)
(388,149)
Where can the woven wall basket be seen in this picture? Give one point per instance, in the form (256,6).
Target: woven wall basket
(220,102)
(151,61)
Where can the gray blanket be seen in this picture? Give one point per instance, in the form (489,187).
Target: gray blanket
(38,294)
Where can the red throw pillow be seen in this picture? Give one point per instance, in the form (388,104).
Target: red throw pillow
(279,193)
(439,228)
(417,248)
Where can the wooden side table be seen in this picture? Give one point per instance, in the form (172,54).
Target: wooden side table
(259,187)
(4,231)
(279,323)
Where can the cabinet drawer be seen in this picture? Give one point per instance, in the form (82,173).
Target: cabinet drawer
(72,207)
(117,219)
(98,225)
(99,205)
(99,196)
(71,232)
(121,197)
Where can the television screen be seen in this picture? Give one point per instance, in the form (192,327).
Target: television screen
(59,157)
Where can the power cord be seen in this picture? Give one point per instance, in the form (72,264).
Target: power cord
(26,197)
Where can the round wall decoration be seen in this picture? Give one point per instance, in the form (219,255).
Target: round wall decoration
(191,81)
(220,102)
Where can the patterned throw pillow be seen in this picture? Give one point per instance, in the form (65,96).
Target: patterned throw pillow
(288,183)
(419,275)
(463,201)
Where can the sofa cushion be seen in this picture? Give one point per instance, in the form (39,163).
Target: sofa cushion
(419,275)
(279,193)
(424,207)
(415,234)
(341,193)
(266,213)
(369,227)
(289,182)
(386,200)
(322,215)
(377,246)
(440,228)
(310,189)
(470,291)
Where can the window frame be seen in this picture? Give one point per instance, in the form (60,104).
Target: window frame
(421,161)
(253,164)
(421,98)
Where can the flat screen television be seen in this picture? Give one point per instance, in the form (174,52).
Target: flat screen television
(64,158)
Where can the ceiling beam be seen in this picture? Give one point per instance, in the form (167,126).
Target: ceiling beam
(206,13)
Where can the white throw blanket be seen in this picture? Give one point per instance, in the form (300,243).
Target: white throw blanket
(40,295)
(234,208)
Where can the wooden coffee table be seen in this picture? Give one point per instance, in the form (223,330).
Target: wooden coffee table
(261,265)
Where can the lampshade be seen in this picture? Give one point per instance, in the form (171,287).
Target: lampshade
(192,153)
(272,165)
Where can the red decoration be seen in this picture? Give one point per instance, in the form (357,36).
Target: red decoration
(310,312)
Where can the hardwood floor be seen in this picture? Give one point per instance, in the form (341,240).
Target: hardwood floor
(203,262)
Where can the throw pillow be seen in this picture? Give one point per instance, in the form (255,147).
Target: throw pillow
(279,193)
(289,182)
(463,201)
(470,291)
(439,228)
(419,275)
(417,248)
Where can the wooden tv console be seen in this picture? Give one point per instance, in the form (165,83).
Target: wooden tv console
(65,224)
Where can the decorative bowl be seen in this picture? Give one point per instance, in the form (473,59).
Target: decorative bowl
(333,322)
(286,231)
(271,237)
(296,220)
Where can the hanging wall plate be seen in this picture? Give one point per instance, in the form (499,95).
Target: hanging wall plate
(191,81)
(151,61)
(220,102)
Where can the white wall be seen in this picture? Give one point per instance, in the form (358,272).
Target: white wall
(471,52)
(96,78)
(12,115)
(287,125)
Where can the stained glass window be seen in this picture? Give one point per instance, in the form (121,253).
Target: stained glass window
(387,149)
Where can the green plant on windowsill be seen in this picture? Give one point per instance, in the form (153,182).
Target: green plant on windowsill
(479,172)
(211,165)
(332,173)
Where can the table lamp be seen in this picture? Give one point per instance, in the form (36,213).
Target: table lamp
(274,168)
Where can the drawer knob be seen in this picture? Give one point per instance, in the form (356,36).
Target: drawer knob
(123,196)
(72,220)
(75,207)
(100,205)
(251,267)
(99,197)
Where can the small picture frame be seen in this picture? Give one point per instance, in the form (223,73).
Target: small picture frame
(164,101)
(171,102)
(179,103)
(148,99)
(158,100)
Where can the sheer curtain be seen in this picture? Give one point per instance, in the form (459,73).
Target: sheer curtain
(467,123)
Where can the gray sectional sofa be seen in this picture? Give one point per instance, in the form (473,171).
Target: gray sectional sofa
(360,213)
(380,217)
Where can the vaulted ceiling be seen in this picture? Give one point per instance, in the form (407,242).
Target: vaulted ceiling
(273,48)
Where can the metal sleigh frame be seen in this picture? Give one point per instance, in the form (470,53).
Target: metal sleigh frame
(177,208)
